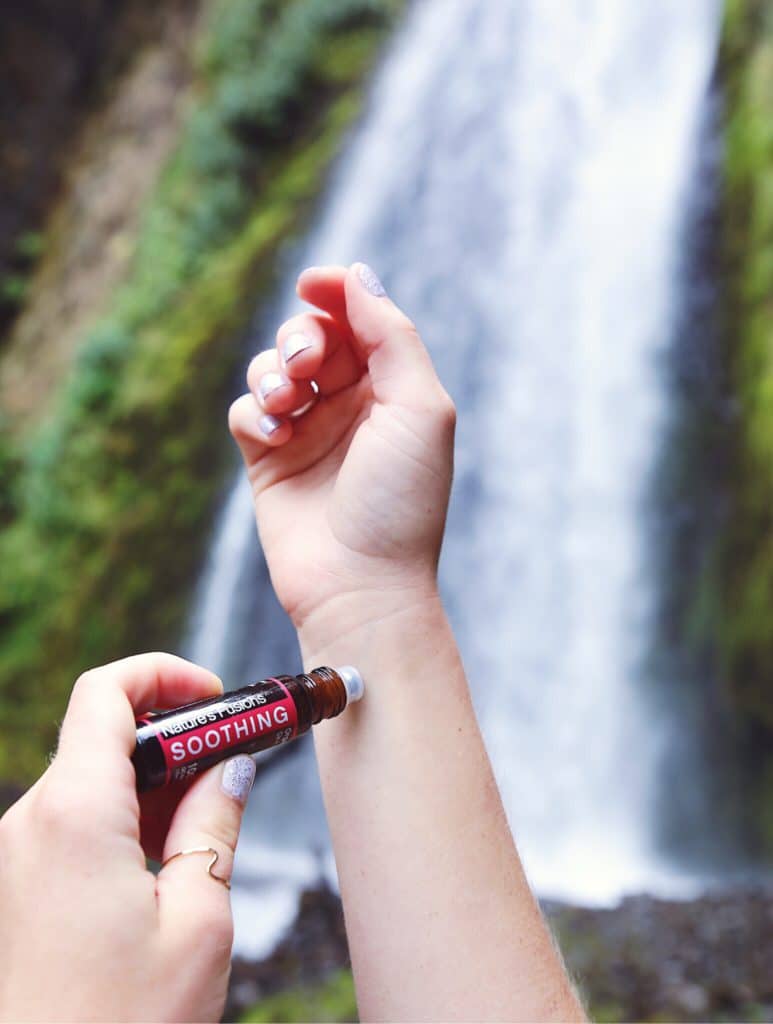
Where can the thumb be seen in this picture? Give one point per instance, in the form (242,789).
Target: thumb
(194,905)
(399,365)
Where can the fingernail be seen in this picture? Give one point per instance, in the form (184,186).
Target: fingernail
(238,777)
(294,345)
(268,424)
(369,279)
(271,382)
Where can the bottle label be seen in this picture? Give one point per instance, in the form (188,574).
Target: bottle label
(251,723)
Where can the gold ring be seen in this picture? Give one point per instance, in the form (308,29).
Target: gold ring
(212,861)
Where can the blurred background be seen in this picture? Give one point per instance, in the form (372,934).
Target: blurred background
(574,201)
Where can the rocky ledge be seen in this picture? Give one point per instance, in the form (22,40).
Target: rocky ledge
(647,959)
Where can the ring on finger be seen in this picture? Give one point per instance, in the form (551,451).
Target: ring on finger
(307,405)
(213,858)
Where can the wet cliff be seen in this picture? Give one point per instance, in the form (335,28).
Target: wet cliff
(738,588)
(191,156)
(59,63)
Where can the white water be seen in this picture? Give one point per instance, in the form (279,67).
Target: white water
(519,182)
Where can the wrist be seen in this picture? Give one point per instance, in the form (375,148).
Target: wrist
(348,627)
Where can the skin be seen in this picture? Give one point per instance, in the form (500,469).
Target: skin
(351,500)
(87,931)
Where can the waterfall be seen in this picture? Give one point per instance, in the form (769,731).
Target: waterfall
(519,181)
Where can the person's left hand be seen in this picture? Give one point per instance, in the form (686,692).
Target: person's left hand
(87,931)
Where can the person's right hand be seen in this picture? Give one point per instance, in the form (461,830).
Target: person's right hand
(350,497)
(87,932)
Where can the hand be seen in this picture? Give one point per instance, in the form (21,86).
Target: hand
(350,497)
(87,931)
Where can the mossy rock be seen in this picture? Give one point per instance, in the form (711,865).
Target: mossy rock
(109,503)
(334,1000)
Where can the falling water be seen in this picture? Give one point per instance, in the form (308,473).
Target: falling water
(519,180)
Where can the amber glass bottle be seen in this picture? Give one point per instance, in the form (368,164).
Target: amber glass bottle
(174,745)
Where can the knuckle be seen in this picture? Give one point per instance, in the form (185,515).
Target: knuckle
(447,409)
(254,371)
(87,688)
(286,328)
(86,682)
(444,409)
(407,327)
(260,364)
(300,323)
(157,660)
(221,833)
(83,691)
(234,417)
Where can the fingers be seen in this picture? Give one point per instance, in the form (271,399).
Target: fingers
(399,365)
(98,733)
(309,347)
(359,329)
(194,907)
(105,702)
(323,287)
(254,431)
(345,359)
(157,808)
(313,346)
(274,391)
(305,341)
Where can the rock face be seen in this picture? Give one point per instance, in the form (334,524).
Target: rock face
(739,627)
(152,263)
(647,959)
(57,61)
(313,948)
(102,177)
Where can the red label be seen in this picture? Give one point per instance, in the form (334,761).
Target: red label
(279,719)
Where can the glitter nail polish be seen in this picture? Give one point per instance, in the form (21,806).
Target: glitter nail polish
(369,280)
(238,777)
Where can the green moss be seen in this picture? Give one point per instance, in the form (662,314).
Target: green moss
(13,289)
(14,284)
(734,609)
(112,496)
(332,1001)
(608,1013)
(29,246)
(746,562)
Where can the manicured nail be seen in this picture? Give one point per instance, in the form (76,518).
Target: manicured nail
(370,281)
(268,424)
(271,382)
(294,345)
(238,777)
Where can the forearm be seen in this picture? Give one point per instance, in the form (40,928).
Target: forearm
(440,919)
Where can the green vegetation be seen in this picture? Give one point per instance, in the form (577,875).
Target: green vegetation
(747,67)
(104,510)
(741,608)
(331,1001)
(29,246)
(13,284)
